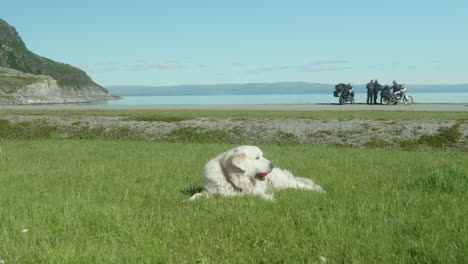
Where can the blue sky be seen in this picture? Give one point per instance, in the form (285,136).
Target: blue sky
(209,42)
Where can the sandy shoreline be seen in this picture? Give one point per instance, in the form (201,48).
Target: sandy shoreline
(260,107)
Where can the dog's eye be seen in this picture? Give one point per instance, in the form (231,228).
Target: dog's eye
(257,158)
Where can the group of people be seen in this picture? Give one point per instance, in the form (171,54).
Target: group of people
(373,88)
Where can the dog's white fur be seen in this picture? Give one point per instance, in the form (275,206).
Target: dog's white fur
(235,172)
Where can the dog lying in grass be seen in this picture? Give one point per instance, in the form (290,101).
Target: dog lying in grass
(244,171)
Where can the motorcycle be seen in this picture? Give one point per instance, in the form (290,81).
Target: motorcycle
(344,92)
(387,97)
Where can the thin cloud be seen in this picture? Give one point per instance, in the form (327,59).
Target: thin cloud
(319,68)
(376,67)
(133,66)
(239,64)
(327,62)
(323,65)
(156,65)
(97,68)
(269,69)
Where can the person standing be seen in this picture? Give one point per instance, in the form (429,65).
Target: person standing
(370,91)
(377,88)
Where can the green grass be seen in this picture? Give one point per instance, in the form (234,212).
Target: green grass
(447,136)
(42,130)
(90,201)
(8,97)
(25,80)
(17,81)
(176,115)
(195,135)
(376,142)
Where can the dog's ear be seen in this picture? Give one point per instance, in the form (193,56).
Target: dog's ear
(238,160)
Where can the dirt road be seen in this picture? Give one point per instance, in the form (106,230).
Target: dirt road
(296,107)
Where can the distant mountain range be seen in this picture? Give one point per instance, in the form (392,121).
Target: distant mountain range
(266,88)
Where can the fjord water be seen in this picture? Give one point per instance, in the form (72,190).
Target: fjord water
(250,99)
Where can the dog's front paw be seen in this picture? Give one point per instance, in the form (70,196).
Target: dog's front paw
(197,195)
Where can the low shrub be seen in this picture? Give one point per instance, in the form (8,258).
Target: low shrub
(446,137)
(26,130)
(196,135)
(376,142)
(157,118)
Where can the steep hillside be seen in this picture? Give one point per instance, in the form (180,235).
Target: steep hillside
(67,80)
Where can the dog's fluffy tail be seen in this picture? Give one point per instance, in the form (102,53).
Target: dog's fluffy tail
(280,179)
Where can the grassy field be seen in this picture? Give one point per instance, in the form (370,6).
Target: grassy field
(90,201)
(172,115)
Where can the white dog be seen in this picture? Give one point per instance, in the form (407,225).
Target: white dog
(244,170)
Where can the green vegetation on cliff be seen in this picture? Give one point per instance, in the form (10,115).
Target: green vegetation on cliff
(16,81)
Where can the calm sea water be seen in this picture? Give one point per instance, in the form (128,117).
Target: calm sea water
(453,98)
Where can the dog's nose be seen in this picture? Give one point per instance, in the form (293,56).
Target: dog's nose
(272,165)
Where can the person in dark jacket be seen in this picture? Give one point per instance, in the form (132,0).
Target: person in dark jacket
(395,86)
(377,88)
(370,91)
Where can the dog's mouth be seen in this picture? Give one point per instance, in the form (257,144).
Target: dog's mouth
(261,176)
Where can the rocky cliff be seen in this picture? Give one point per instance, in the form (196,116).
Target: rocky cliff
(29,78)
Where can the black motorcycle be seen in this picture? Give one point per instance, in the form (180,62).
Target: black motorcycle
(344,92)
(387,96)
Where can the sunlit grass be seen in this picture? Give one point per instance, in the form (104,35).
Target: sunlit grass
(127,202)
